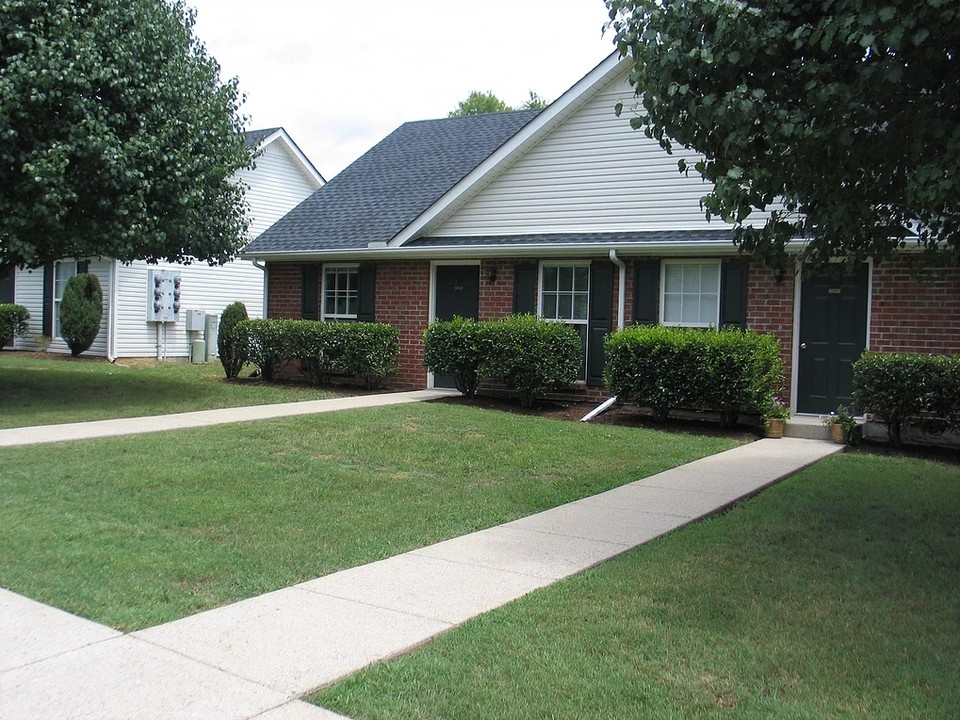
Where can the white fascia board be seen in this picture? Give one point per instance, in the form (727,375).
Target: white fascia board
(306,167)
(549,117)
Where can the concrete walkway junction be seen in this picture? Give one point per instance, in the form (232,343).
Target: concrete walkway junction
(257,658)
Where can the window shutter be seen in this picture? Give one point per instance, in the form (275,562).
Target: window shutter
(83,266)
(47,324)
(367,287)
(525,288)
(310,292)
(601,318)
(733,294)
(646,292)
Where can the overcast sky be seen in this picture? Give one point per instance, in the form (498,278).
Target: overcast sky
(340,75)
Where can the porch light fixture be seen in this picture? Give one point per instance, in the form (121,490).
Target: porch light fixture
(492,275)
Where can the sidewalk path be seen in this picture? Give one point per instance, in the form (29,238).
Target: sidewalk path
(257,657)
(201,418)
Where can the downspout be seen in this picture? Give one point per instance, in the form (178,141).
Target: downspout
(112,314)
(266,285)
(621,323)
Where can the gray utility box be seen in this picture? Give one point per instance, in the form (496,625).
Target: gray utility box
(210,334)
(195,320)
(163,296)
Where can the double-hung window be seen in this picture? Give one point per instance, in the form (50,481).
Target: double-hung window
(341,292)
(691,293)
(62,272)
(565,297)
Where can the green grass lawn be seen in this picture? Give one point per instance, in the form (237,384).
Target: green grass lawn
(831,595)
(41,390)
(139,530)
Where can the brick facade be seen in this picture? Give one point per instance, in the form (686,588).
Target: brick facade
(403,300)
(284,290)
(770,305)
(908,315)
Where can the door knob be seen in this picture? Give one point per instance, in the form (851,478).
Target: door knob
(803,346)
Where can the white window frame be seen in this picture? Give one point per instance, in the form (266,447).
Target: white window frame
(340,268)
(577,322)
(715,320)
(59,283)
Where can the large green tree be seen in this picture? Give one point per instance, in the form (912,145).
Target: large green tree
(846,111)
(117,137)
(481,103)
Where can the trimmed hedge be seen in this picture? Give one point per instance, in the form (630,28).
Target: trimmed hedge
(457,347)
(666,368)
(81,310)
(898,388)
(528,354)
(13,321)
(229,353)
(366,350)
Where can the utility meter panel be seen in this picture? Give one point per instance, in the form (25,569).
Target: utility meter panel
(163,296)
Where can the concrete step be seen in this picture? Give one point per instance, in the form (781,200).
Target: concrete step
(808,427)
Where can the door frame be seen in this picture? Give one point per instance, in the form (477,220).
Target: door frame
(432,311)
(795,349)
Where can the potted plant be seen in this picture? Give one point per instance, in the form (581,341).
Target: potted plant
(843,426)
(775,415)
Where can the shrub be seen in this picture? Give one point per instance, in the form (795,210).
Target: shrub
(899,387)
(263,343)
(80,312)
(227,347)
(369,351)
(13,321)
(318,345)
(457,347)
(531,355)
(728,371)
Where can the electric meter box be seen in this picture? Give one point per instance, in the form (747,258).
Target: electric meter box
(163,296)
(196,320)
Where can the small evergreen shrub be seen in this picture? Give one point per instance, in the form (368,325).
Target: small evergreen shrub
(318,346)
(531,355)
(370,351)
(666,368)
(13,321)
(457,347)
(227,346)
(898,388)
(263,343)
(81,310)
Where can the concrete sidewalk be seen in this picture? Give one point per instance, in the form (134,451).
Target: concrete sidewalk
(255,658)
(158,423)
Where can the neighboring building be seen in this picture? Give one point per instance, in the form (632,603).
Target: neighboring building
(281,179)
(570,214)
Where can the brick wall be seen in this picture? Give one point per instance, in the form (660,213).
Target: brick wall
(403,300)
(770,309)
(913,316)
(284,290)
(496,298)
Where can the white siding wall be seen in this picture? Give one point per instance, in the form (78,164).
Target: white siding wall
(29,286)
(274,187)
(593,173)
(202,287)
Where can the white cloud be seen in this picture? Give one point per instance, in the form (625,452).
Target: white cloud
(340,75)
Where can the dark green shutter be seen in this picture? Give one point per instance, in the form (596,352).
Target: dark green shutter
(83,266)
(367,287)
(601,318)
(733,294)
(525,288)
(47,323)
(646,292)
(310,292)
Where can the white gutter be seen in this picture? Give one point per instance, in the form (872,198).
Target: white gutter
(112,314)
(621,289)
(266,285)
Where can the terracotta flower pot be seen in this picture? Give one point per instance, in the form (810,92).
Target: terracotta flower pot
(836,433)
(774,428)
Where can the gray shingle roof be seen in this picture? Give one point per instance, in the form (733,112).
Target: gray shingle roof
(578,238)
(255,137)
(391,184)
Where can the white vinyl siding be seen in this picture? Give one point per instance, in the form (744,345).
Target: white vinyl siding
(690,293)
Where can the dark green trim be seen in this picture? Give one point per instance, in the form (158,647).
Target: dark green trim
(367,288)
(47,324)
(310,292)
(733,294)
(646,292)
(525,288)
(601,318)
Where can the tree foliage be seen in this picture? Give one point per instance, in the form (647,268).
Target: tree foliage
(81,310)
(117,137)
(481,103)
(846,111)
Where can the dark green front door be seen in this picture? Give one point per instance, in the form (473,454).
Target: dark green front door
(833,334)
(457,292)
